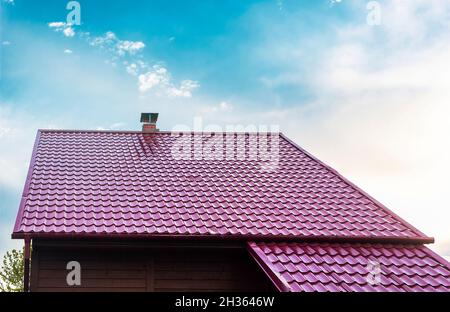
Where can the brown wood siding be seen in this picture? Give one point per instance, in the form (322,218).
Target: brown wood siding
(149,268)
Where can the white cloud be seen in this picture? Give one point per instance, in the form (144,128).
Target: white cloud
(129,54)
(69,32)
(159,78)
(56,24)
(155,77)
(11,2)
(4,131)
(68,51)
(184,90)
(63,27)
(129,46)
(132,69)
(108,39)
(110,42)
(6,43)
(224,106)
(220,108)
(410,22)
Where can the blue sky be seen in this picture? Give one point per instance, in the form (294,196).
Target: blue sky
(215,44)
(368,100)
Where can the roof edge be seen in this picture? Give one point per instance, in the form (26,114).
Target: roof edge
(260,258)
(26,187)
(376,202)
(437,257)
(238,237)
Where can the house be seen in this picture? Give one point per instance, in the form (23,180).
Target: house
(120,211)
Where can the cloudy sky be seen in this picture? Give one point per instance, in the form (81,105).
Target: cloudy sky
(373,101)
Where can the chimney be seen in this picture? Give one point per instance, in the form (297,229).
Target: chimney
(149,122)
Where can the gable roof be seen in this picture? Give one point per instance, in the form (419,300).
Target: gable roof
(349,267)
(93,183)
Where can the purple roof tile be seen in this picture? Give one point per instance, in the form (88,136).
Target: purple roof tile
(405,271)
(129,183)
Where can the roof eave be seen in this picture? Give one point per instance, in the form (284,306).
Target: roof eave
(234,237)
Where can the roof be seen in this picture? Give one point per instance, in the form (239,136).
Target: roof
(306,226)
(129,184)
(352,267)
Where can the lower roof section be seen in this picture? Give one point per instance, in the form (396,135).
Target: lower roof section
(351,267)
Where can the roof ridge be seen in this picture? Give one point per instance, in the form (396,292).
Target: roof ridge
(146,133)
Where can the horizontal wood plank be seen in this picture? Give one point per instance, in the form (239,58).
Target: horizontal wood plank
(159,269)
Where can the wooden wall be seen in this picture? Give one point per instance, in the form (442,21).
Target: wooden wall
(144,267)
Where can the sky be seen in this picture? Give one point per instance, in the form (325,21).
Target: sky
(362,85)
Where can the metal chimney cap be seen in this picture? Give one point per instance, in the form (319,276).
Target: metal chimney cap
(149,117)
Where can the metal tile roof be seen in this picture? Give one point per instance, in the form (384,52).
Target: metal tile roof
(129,183)
(351,267)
